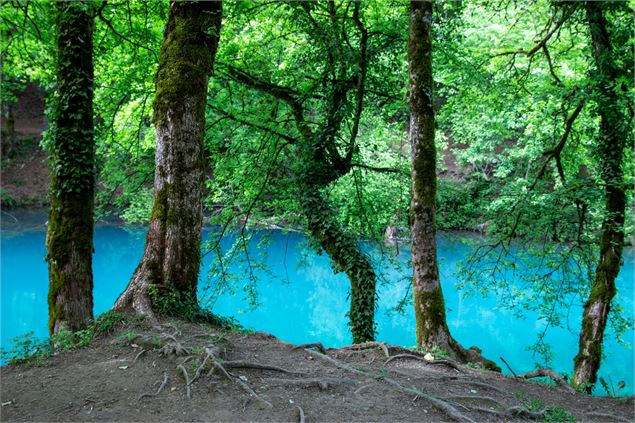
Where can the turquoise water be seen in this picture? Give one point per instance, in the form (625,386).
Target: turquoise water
(300,300)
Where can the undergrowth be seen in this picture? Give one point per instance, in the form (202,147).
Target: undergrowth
(172,303)
(552,413)
(28,350)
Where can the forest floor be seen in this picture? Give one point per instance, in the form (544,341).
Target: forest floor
(181,371)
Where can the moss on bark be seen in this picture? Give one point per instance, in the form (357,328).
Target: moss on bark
(171,257)
(69,238)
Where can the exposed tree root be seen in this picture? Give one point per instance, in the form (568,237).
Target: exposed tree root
(336,363)
(322,383)
(473,398)
(301,414)
(154,394)
(444,406)
(316,345)
(240,382)
(366,346)
(514,412)
(138,355)
(174,347)
(483,385)
(187,380)
(448,363)
(543,372)
(240,364)
(606,416)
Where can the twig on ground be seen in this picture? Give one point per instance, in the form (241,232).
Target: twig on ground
(543,372)
(509,367)
(301,416)
(154,394)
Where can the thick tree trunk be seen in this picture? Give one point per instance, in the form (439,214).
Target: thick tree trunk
(613,132)
(347,257)
(69,239)
(171,258)
(431,327)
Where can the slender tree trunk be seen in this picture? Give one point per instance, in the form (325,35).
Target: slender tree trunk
(614,131)
(69,239)
(431,327)
(171,257)
(347,257)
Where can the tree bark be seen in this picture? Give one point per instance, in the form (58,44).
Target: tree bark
(171,257)
(431,327)
(69,238)
(614,131)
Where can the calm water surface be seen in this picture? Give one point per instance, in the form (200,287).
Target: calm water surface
(300,300)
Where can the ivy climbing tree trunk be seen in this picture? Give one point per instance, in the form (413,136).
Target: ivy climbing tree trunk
(69,238)
(318,160)
(431,327)
(614,131)
(171,257)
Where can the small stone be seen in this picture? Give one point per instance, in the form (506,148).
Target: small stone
(243,378)
(291,402)
(428,357)
(473,391)
(173,389)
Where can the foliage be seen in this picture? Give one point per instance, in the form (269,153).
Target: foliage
(552,413)
(169,302)
(28,350)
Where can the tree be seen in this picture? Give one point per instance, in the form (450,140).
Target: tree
(310,102)
(614,131)
(171,257)
(69,238)
(431,327)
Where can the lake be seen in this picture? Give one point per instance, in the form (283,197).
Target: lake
(300,300)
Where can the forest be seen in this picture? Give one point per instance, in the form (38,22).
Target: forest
(371,128)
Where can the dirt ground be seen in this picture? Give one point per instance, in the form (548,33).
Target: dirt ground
(143,373)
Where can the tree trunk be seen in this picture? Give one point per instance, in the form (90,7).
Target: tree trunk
(171,257)
(431,327)
(613,134)
(347,257)
(69,239)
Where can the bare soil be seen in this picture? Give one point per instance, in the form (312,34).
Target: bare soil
(142,373)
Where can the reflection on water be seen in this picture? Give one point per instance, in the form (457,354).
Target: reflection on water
(306,303)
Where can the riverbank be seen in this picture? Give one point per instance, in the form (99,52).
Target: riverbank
(143,373)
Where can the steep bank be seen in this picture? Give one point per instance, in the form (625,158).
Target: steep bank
(141,373)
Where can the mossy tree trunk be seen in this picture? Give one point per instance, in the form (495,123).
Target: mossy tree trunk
(69,238)
(171,257)
(614,131)
(431,327)
(319,162)
(347,257)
